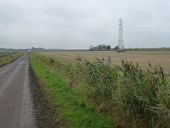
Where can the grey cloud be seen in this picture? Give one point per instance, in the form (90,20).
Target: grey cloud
(9,13)
(78,24)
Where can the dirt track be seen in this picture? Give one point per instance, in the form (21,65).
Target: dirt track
(16,107)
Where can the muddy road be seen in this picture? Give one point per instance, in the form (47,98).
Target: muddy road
(16,105)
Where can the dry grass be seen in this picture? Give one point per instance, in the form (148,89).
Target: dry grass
(142,57)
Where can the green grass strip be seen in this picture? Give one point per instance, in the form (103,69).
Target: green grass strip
(70,102)
(9,58)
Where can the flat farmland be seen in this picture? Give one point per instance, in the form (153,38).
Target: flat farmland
(125,96)
(142,57)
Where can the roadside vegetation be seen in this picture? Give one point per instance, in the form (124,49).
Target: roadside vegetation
(98,95)
(71,104)
(6,58)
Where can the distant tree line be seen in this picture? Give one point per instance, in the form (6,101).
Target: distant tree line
(149,49)
(104,47)
(10,50)
(101,47)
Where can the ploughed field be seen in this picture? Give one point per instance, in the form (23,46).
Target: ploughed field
(144,58)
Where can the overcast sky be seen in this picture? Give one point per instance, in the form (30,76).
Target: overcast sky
(77,24)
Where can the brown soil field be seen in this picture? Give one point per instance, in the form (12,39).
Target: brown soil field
(156,58)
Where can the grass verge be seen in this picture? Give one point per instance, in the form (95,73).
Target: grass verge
(6,59)
(71,103)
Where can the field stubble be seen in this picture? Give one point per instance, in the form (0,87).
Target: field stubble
(142,57)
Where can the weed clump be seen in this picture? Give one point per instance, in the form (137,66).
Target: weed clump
(142,96)
(51,60)
(145,98)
